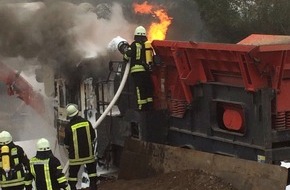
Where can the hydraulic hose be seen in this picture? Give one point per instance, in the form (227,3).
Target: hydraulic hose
(118,93)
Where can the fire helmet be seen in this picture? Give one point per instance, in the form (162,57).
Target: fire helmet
(140,31)
(5,138)
(72,110)
(43,145)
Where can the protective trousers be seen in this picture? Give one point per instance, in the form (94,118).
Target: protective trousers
(144,90)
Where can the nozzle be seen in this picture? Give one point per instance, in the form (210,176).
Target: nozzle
(123,47)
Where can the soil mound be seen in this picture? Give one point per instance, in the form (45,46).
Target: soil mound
(181,180)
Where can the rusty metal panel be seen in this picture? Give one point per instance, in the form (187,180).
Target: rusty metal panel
(141,159)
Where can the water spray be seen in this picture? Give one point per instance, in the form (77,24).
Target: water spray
(122,45)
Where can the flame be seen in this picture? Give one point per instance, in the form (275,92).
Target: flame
(157,30)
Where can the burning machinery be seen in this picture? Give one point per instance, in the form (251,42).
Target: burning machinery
(230,99)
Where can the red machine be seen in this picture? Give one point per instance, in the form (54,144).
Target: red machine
(17,85)
(230,99)
(249,66)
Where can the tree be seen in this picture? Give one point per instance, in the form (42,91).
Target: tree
(232,20)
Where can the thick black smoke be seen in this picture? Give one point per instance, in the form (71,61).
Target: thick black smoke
(66,34)
(186,23)
(60,31)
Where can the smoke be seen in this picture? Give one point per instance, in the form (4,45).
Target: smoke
(68,32)
(93,35)
(64,34)
(21,120)
(61,31)
(61,34)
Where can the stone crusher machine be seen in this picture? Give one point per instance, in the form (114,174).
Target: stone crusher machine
(227,99)
(231,99)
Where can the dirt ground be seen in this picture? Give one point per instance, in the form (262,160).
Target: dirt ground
(182,180)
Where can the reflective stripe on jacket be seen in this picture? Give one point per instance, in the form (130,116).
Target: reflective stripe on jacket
(79,137)
(137,55)
(18,160)
(47,172)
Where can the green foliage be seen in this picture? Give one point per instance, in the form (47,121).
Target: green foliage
(232,20)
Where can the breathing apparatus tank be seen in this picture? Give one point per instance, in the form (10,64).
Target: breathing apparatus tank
(148,52)
(5,159)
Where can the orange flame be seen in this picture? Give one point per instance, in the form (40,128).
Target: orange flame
(157,30)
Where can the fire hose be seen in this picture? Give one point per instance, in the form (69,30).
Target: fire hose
(112,103)
(122,46)
(118,93)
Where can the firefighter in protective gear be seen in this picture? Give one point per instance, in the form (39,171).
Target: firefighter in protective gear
(72,110)
(13,165)
(140,68)
(79,138)
(46,170)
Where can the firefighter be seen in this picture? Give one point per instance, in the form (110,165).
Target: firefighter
(79,139)
(13,165)
(46,169)
(140,69)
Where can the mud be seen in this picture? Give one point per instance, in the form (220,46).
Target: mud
(181,180)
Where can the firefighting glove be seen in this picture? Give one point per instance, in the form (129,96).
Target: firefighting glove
(125,59)
(156,60)
(147,67)
(150,66)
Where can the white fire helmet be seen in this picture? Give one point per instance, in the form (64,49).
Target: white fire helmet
(140,31)
(72,110)
(43,145)
(5,138)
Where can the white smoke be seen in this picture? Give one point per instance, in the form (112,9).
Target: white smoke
(93,35)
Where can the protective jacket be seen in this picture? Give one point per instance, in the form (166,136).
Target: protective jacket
(19,168)
(46,171)
(139,70)
(137,54)
(79,137)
